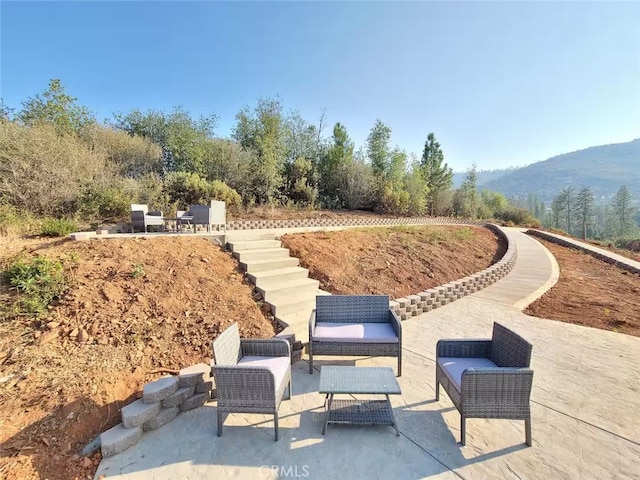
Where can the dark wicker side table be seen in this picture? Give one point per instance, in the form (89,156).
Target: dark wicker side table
(363,381)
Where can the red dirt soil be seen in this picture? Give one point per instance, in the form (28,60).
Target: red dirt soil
(67,375)
(395,261)
(590,292)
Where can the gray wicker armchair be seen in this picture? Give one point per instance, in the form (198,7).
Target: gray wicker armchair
(251,374)
(142,218)
(360,325)
(487,378)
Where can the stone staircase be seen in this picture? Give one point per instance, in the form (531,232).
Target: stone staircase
(279,279)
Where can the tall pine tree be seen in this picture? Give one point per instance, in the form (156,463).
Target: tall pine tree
(437,174)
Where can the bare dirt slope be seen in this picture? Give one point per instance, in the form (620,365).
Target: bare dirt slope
(590,292)
(135,306)
(395,261)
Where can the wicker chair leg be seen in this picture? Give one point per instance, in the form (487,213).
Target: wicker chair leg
(219,423)
(400,365)
(288,396)
(527,430)
(437,391)
(463,430)
(275,423)
(310,360)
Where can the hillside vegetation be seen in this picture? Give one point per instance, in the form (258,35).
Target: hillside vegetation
(58,161)
(603,168)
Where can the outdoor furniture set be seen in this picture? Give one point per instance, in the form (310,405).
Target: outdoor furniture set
(209,216)
(487,378)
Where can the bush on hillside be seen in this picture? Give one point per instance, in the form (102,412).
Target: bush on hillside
(57,227)
(15,222)
(518,216)
(43,172)
(184,189)
(131,155)
(105,203)
(38,281)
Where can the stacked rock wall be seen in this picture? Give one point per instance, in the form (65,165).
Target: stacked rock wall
(162,400)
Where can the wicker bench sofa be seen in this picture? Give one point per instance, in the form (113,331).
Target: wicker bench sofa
(358,325)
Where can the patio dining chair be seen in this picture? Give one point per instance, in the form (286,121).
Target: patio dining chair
(251,375)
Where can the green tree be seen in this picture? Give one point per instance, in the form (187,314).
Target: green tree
(466,199)
(437,174)
(563,209)
(492,204)
(378,149)
(397,166)
(624,211)
(262,130)
(6,112)
(557,207)
(358,183)
(55,107)
(183,139)
(584,209)
(332,165)
(416,187)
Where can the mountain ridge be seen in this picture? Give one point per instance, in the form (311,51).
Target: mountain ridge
(603,168)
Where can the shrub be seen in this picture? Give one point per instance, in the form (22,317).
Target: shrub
(395,202)
(38,281)
(16,222)
(43,172)
(57,227)
(518,216)
(104,203)
(632,244)
(222,191)
(186,189)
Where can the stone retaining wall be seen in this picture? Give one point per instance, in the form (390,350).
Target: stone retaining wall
(421,302)
(345,221)
(629,265)
(162,400)
(436,297)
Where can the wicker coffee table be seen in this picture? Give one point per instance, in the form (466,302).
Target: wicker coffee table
(363,381)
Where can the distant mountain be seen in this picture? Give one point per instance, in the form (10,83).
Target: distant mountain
(605,169)
(484,176)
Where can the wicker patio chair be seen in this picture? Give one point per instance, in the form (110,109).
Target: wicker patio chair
(359,325)
(210,216)
(142,218)
(251,375)
(487,378)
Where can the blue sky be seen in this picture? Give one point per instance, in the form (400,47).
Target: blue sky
(500,84)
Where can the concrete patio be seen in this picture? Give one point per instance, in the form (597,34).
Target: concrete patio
(585,409)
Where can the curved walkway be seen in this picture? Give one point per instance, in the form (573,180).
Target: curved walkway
(585,419)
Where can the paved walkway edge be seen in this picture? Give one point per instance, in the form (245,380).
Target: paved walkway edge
(553,279)
(609,257)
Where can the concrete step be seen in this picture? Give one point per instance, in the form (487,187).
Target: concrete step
(294,319)
(268,278)
(299,330)
(262,265)
(241,246)
(247,235)
(262,254)
(289,289)
(293,305)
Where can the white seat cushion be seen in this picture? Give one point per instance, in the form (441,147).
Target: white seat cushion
(454,366)
(277,365)
(355,332)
